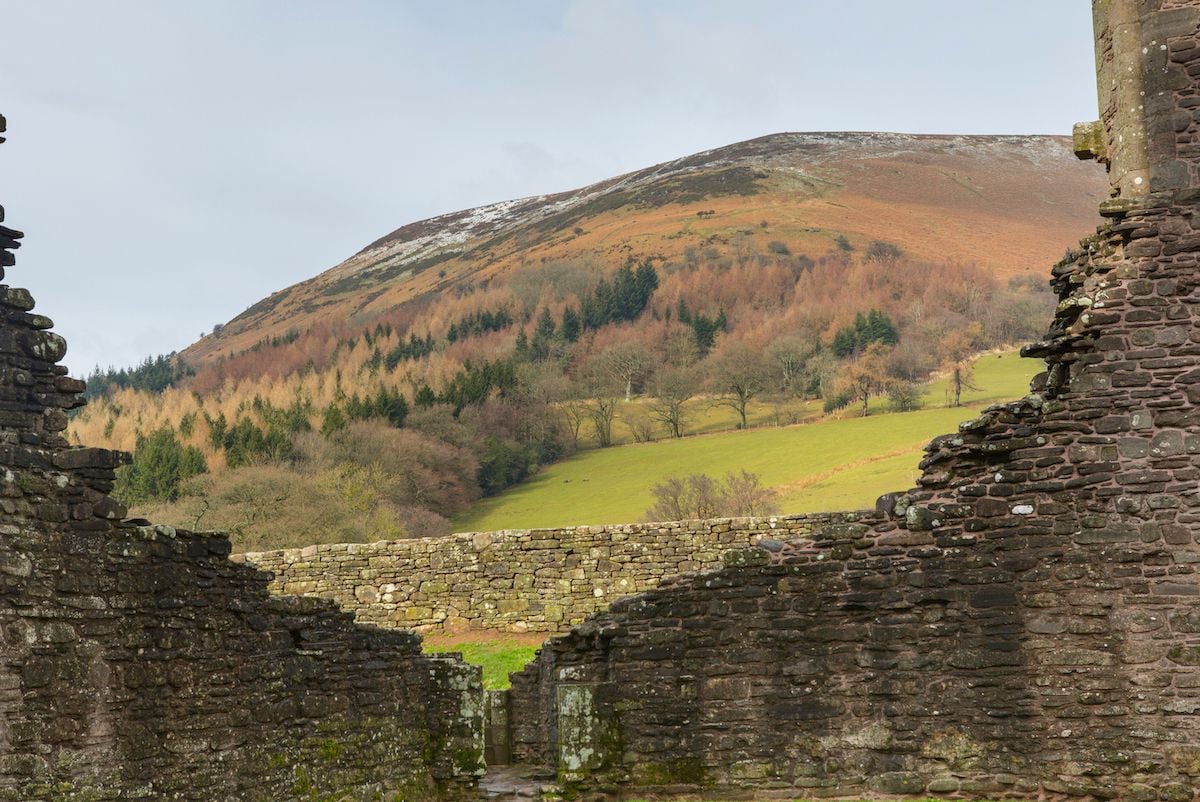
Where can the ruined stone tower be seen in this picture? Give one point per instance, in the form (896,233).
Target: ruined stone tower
(1027,620)
(137,662)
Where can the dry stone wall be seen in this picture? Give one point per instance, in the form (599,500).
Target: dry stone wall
(1023,623)
(139,662)
(539,580)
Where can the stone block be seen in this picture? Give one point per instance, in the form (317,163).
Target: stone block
(897,782)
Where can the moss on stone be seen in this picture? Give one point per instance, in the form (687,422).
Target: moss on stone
(685,771)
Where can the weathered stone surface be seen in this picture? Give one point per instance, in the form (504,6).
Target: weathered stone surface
(499,580)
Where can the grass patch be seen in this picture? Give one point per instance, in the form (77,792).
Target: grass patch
(498,653)
(833,464)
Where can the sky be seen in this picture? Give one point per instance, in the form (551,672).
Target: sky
(172,163)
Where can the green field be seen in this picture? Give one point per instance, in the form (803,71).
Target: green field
(833,464)
(498,653)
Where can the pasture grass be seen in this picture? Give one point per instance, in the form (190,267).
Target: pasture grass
(498,653)
(837,463)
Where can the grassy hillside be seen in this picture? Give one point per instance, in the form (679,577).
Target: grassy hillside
(834,464)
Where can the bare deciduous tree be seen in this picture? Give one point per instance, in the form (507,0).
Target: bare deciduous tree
(739,373)
(575,411)
(789,356)
(600,384)
(678,347)
(629,362)
(673,389)
(958,346)
(601,411)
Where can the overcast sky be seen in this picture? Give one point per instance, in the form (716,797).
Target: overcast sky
(171,163)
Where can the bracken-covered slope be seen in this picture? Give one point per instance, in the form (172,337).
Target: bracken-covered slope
(1007,203)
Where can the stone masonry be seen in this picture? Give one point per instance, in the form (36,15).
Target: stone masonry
(1026,621)
(540,580)
(139,662)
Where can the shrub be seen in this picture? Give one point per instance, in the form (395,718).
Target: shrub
(160,465)
(640,426)
(265,507)
(408,468)
(905,396)
(745,496)
(880,251)
(838,400)
(701,496)
(780,248)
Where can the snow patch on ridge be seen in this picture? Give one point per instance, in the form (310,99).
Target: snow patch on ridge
(790,152)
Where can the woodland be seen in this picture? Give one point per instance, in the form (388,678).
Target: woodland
(387,428)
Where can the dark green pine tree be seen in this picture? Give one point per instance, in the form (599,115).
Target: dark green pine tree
(844,342)
(646,282)
(683,313)
(880,328)
(543,335)
(521,349)
(160,465)
(571,326)
(424,396)
(333,420)
(625,294)
(598,306)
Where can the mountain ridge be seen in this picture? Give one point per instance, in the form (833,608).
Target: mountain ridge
(825,183)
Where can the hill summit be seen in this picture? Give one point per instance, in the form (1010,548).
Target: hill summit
(1008,204)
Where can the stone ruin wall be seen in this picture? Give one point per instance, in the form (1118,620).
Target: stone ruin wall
(139,662)
(1026,621)
(1023,623)
(539,580)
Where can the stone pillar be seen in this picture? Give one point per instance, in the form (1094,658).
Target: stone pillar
(580,745)
(456,719)
(497,732)
(1147,71)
